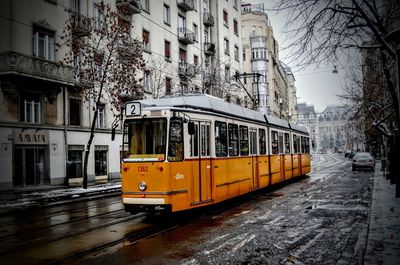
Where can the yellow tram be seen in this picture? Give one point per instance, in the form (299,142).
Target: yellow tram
(181,153)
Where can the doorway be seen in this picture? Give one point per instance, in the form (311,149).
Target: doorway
(201,162)
(30,166)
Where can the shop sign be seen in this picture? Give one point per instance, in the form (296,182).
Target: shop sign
(101,147)
(31,138)
(73,147)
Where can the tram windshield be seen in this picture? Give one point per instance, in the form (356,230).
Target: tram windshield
(145,140)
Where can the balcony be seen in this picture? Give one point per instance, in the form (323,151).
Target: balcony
(187,5)
(84,78)
(186,70)
(208,19)
(21,64)
(80,25)
(129,7)
(209,48)
(186,36)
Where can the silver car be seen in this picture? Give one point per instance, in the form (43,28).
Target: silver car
(363,160)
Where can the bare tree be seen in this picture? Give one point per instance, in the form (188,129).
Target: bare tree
(327,30)
(107,60)
(158,69)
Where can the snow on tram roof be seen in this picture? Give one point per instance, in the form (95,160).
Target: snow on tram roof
(205,102)
(297,127)
(218,105)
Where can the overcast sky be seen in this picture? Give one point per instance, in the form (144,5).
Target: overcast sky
(315,86)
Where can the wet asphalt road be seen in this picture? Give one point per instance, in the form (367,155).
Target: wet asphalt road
(320,219)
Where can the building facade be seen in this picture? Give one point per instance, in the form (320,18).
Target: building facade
(269,81)
(44,120)
(334,130)
(307,117)
(189,46)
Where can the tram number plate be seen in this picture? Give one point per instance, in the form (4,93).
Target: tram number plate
(132,109)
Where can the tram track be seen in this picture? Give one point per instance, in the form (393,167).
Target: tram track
(53,211)
(27,226)
(94,229)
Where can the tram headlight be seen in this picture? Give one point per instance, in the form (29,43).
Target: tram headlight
(142,186)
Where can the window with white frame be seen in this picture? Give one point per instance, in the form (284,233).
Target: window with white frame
(43,43)
(168,86)
(101,118)
(147,81)
(236,53)
(167,14)
(146,6)
(31,109)
(75,106)
(99,20)
(225,17)
(226,46)
(195,30)
(235,27)
(227,73)
(146,40)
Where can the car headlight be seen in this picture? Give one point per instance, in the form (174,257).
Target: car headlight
(142,186)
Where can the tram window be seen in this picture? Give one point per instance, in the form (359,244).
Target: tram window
(262,141)
(298,144)
(194,150)
(233,139)
(295,146)
(303,144)
(253,141)
(274,143)
(287,143)
(145,139)
(280,143)
(205,140)
(244,140)
(220,139)
(175,150)
(307,145)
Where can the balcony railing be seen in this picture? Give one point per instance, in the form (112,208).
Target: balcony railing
(21,64)
(84,78)
(209,48)
(81,26)
(208,19)
(187,5)
(186,70)
(129,7)
(186,36)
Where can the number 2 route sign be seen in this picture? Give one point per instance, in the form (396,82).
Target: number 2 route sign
(132,109)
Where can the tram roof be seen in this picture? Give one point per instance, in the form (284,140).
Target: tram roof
(298,128)
(218,105)
(208,103)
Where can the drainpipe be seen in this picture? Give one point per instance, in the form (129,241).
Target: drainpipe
(65,133)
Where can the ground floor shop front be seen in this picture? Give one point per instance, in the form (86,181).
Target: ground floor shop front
(32,157)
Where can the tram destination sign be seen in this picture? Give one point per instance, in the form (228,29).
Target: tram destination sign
(133,109)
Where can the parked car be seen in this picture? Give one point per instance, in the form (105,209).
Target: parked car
(363,160)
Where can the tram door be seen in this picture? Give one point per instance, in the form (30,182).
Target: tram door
(201,162)
(254,157)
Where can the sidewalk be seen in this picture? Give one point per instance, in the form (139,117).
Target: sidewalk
(50,195)
(383,242)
